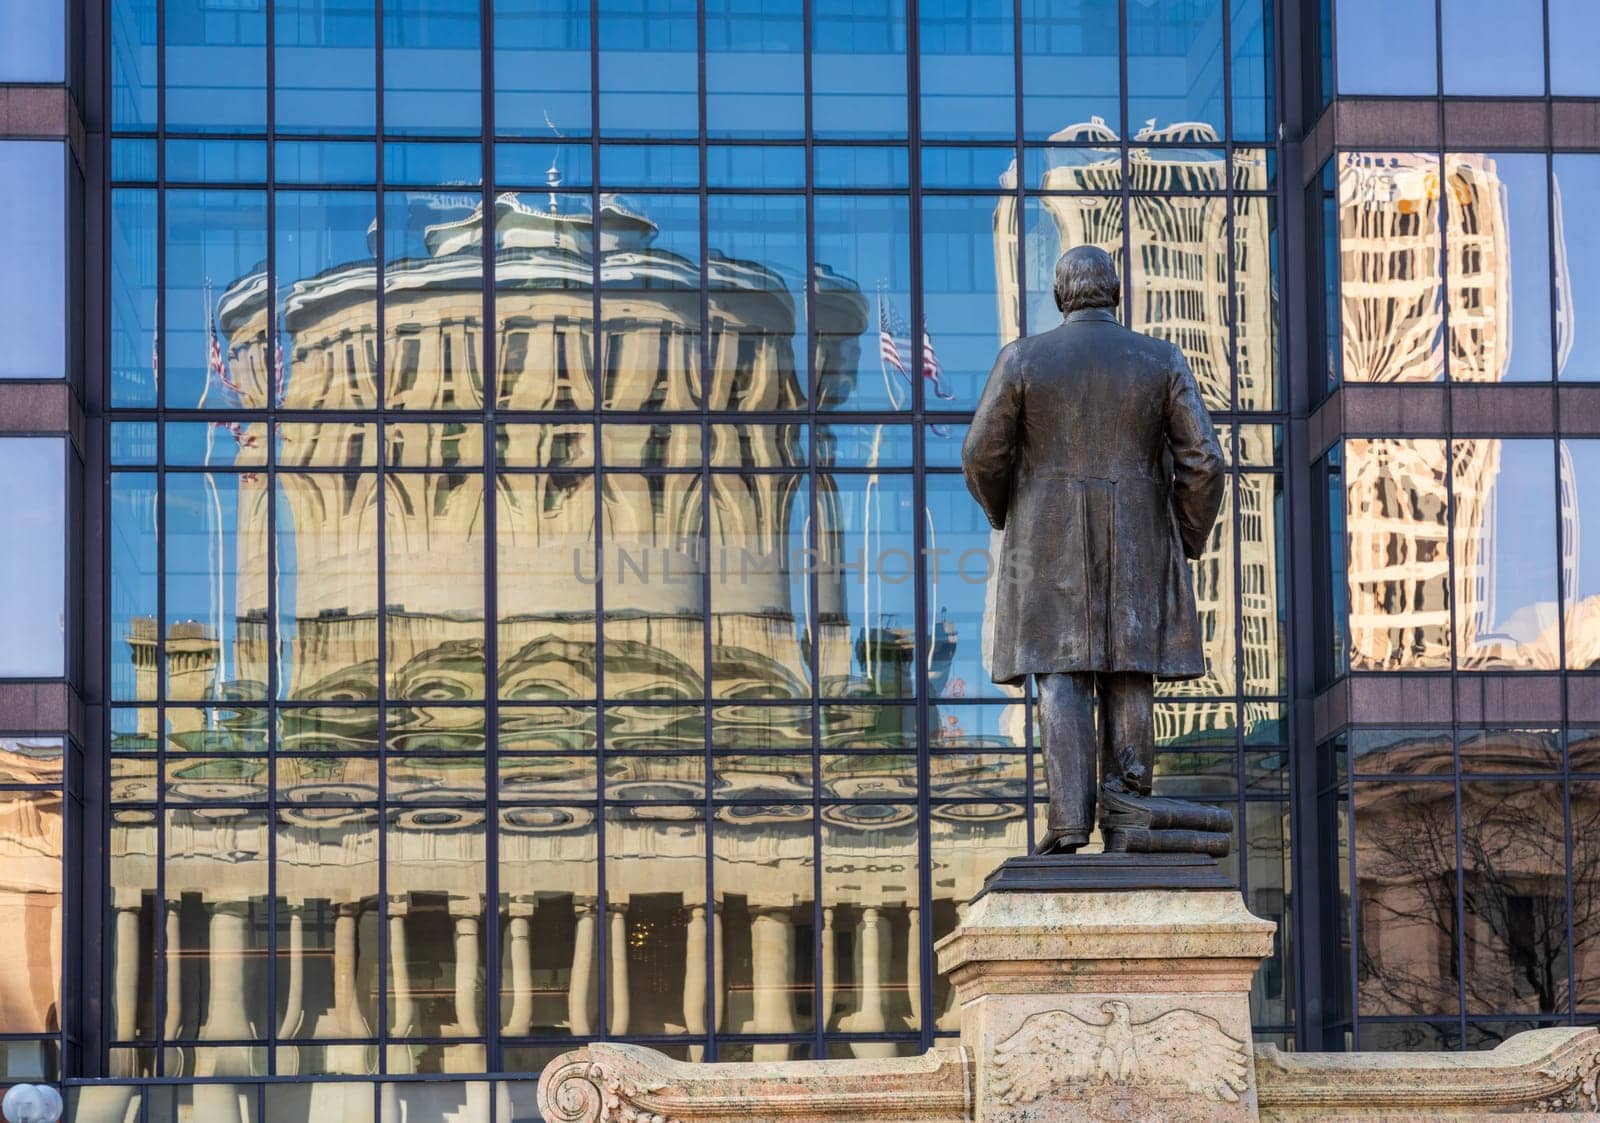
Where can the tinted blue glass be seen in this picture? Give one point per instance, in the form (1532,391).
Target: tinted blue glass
(748,165)
(1386,47)
(648,68)
(133,443)
(1577,206)
(650,165)
(133,63)
(134,298)
(212,579)
(970,294)
(1175,69)
(427,165)
(860,167)
(858,68)
(325,267)
(862,288)
(1494,47)
(1056,96)
(33,41)
(566,164)
(1498,258)
(541,67)
(432,68)
(326,161)
(325,66)
(864,446)
(216,252)
(133,159)
(968,75)
(1574,30)
(33,259)
(33,567)
(1251,31)
(755,72)
(756,271)
(216,73)
(216,161)
(967,167)
(958,568)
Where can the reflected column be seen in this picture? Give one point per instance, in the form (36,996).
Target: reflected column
(466,913)
(173,1018)
(346,1006)
(872,1017)
(771,968)
(617,983)
(125,965)
(828,968)
(402,1003)
(914,965)
(694,978)
(294,993)
(519,936)
(583,1003)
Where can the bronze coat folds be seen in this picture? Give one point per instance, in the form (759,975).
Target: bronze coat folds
(1092,450)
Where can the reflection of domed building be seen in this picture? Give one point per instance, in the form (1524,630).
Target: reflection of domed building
(1182,247)
(678,628)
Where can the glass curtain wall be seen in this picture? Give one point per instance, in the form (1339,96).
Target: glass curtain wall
(544,603)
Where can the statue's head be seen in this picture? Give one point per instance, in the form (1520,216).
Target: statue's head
(1086,277)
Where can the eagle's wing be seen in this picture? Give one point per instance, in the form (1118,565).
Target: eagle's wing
(1046,1050)
(1193,1050)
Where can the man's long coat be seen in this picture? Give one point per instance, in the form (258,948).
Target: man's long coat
(1092,450)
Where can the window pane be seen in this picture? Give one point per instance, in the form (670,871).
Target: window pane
(655,616)
(655,906)
(757,301)
(1057,97)
(1574,24)
(1254,108)
(216,73)
(327,594)
(327,308)
(858,68)
(1494,47)
(648,70)
(1386,47)
(755,80)
(541,67)
(544,301)
(325,66)
(865,587)
(134,92)
(962,553)
(1056,224)
(1579,511)
(434,559)
(1498,266)
(433,311)
(968,75)
(862,288)
(432,70)
(33,42)
(1399,566)
(1390,289)
(971,300)
(1577,225)
(1505,551)
(33,568)
(545,566)
(33,259)
(1175,71)
(30,909)
(650,330)
(872,941)
(550,971)
(759,592)
(216,253)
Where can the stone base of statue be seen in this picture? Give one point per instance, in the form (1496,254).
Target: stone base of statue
(1095,987)
(1111,986)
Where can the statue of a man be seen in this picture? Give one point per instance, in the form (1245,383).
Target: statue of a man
(1092,450)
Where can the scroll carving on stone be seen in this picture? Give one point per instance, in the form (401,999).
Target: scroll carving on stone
(586,1092)
(1181,1049)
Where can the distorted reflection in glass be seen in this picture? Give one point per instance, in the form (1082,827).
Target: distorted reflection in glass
(434,865)
(433,300)
(327,315)
(1497,262)
(1505,566)
(541,67)
(216,932)
(1056,96)
(755,68)
(30,908)
(866,588)
(1510,751)
(215,75)
(1584,870)
(655,903)
(1055,224)
(324,66)
(1217,603)
(1390,288)
(216,584)
(1398,559)
(652,566)
(432,69)
(545,561)
(1493,47)
(213,341)
(756,281)
(762,970)
(326,584)
(1575,190)
(1255,291)
(759,594)
(967,841)
(433,566)
(1266,860)
(1262,604)
(549,982)
(1407,955)
(328,934)
(650,303)
(544,302)
(858,68)
(134,302)
(961,557)
(862,289)
(968,69)
(971,298)
(134,591)
(135,66)
(1174,75)
(1578,508)
(872,943)
(648,70)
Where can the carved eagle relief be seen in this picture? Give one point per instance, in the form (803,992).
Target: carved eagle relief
(1179,1048)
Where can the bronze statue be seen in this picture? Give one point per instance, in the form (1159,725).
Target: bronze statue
(1092,450)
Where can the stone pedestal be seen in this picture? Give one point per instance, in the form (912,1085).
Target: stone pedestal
(1108,987)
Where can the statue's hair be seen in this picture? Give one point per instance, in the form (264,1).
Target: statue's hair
(1086,277)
